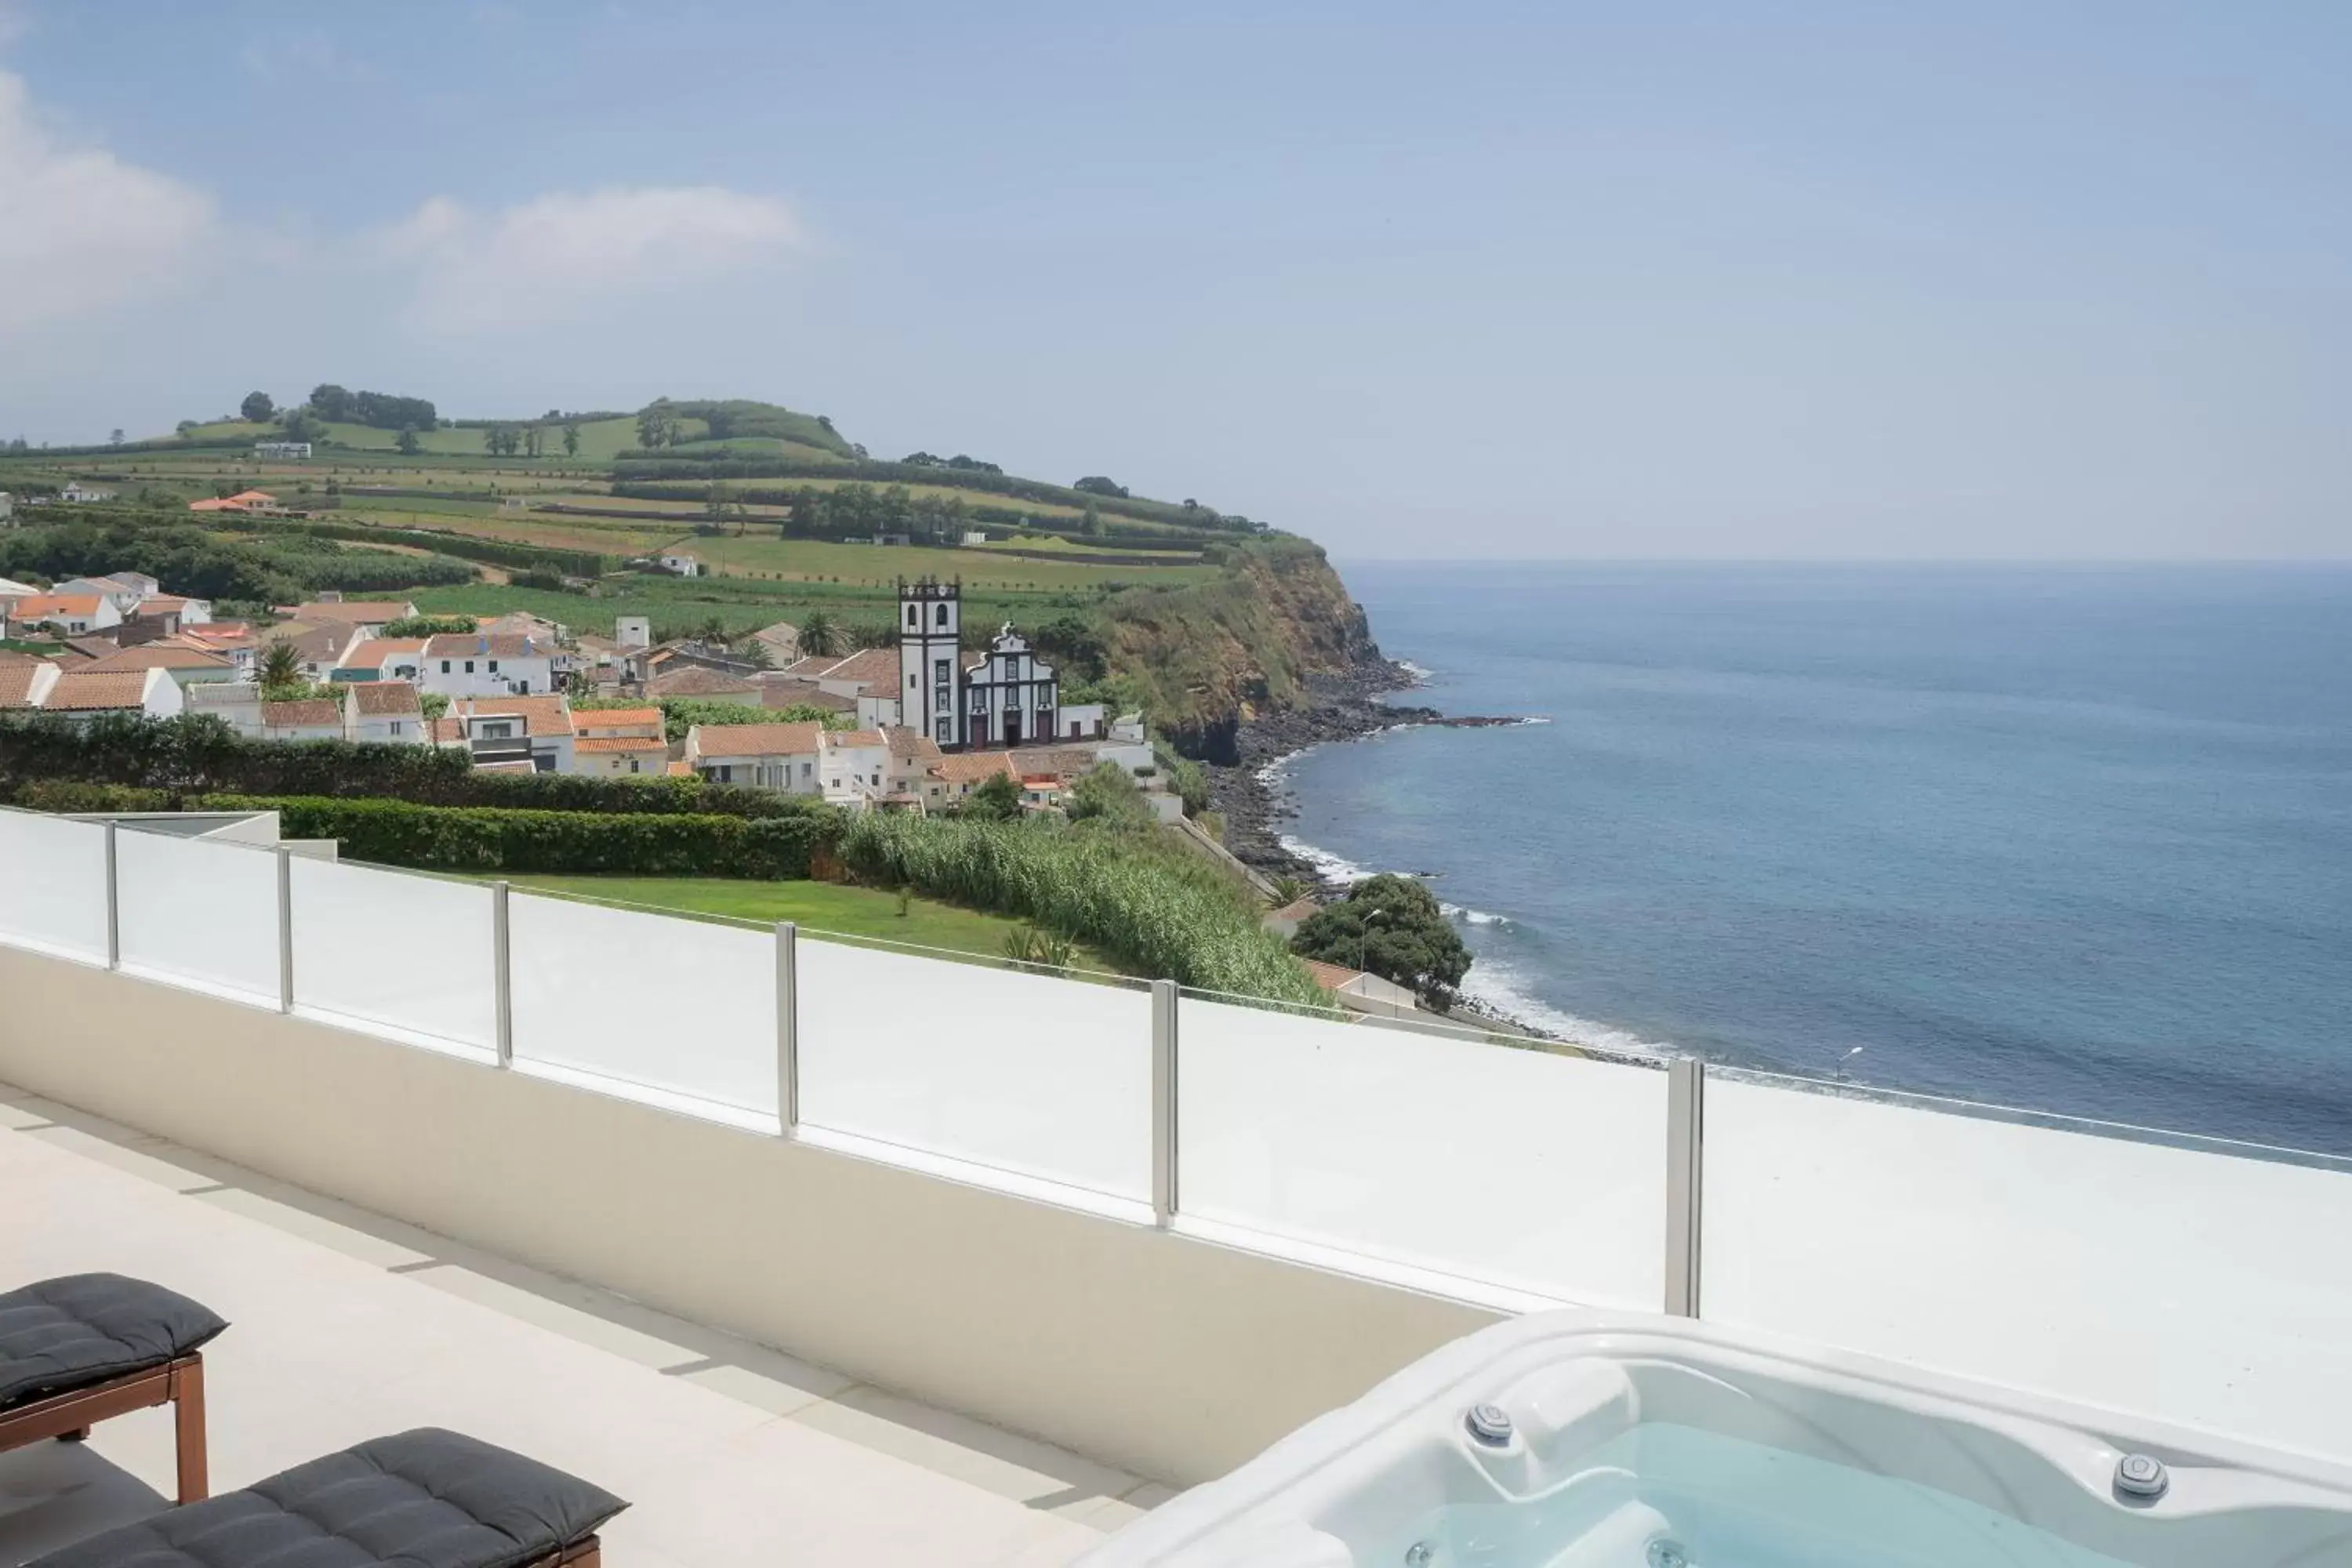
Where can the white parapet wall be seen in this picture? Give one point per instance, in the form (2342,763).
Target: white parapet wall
(1169,1355)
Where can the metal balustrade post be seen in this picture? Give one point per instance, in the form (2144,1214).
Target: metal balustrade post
(788,1028)
(1163,1103)
(285,929)
(502,973)
(113,905)
(1685,1182)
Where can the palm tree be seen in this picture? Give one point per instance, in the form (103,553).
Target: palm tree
(820,634)
(281,665)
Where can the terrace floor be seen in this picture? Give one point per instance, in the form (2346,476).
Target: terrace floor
(345,1325)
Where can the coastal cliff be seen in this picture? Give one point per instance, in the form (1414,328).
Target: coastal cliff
(1275,632)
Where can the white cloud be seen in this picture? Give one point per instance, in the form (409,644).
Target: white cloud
(568,254)
(81,230)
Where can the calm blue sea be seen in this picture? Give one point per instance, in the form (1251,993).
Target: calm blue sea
(2078,839)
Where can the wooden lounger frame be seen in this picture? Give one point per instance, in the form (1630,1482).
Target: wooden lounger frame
(180,1384)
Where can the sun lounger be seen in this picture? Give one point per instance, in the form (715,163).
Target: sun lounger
(426,1498)
(86,1347)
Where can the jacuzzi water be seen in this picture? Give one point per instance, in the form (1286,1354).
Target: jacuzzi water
(1617,1441)
(1666,1496)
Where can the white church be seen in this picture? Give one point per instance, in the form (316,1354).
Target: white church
(994,700)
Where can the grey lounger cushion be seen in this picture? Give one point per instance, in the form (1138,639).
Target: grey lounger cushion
(426,1498)
(85,1329)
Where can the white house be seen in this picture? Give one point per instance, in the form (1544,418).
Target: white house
(74,491)
(237,703)
(320,649)
(174,610)
(383,658)
(126,590)
(385,712)
(306,719)
(868,678)
(7,506)
(619,742)
(632,631)
(1004,697)
(854,766)
(485,664)
(528,732)
(282,451)
(75,614)
(766,756)
(684,563)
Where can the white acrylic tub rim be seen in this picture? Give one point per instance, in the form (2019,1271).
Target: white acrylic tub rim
(1327,1458)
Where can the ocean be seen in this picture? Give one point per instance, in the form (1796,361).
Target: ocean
(2075,839)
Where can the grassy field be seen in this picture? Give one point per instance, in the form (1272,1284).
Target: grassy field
(819,906)
(738,605)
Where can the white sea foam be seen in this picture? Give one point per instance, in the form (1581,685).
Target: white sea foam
(1497,988)
(1329,866)
(1473,917)
(1422,674)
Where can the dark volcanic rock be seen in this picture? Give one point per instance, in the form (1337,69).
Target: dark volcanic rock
(1338,708)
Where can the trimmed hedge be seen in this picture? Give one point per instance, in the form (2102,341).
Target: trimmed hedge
(198,755)
(478,838)
(486,838)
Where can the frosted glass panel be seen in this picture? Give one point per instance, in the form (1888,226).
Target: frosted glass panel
(2198,1285)
(672,1004)
(1024,1072)
(1516,1167)
(381,947)
(53,882)
(198,910)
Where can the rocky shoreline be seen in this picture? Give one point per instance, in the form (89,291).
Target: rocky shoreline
(1338,708)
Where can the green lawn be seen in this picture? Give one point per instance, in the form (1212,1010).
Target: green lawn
(819,906)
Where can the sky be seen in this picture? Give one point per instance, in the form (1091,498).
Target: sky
(1968,281)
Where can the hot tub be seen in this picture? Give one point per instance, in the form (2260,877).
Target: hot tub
(1592,1441)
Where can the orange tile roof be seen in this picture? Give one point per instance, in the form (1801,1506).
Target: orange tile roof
(368,610)
(82,690)
(614,718)
(1330,976)
(43,604)
(844,739)
(480,645)
(695,680)
(756,740)
(970,767)
(620,743)
(16,682)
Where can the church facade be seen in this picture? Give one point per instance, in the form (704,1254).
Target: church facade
(991,701)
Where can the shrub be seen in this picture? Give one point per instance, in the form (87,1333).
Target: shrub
(1162,914)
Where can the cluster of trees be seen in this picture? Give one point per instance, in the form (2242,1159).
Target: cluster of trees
(1392,927)
(933,460)
(377,410)
(1096,484)
(525,440)
(429,625)
(847,510)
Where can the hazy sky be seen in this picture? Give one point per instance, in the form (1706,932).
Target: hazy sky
(1979,280)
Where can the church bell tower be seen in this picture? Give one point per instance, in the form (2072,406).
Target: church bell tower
(930,659)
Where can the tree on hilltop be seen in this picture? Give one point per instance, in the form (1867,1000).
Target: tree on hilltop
(256,407)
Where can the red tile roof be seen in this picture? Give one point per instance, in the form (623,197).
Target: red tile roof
(593,743)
